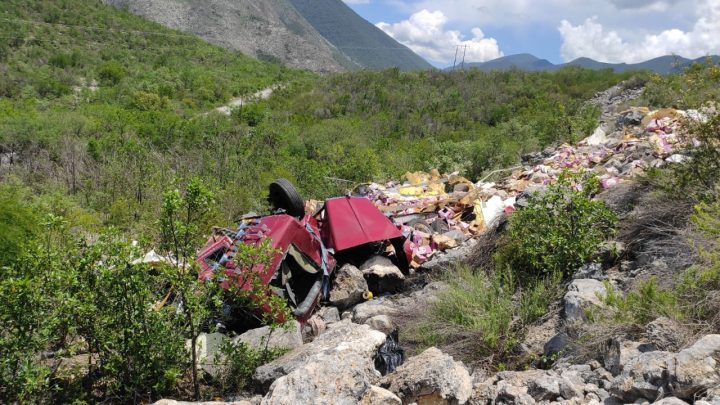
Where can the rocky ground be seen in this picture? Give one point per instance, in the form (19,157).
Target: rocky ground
(333,358)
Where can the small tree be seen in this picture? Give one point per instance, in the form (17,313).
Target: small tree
(559,230)
(181,220)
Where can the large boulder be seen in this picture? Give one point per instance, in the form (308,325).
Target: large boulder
(583,294)
(343,342)
(327,379)
(288,337)
(348,287)
(431,377)
(382,275)
(643,377)
(697,368)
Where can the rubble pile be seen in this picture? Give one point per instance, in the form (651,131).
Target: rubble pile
(441,212)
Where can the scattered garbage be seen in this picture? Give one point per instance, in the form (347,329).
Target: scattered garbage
(410,221)
(390,355)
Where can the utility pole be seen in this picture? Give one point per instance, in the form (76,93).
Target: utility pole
(457,47)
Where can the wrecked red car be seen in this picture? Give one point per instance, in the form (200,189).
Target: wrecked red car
(308,247)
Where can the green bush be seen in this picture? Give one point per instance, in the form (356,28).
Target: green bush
(559,230)
(110,73)
(18,224)
(237,362)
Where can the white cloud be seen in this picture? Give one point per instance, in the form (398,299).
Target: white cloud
(424,32)
(591,39)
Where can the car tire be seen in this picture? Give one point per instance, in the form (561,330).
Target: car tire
(420,225)
(283,195)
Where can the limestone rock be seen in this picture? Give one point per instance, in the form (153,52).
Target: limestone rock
(619,352)
(670,401)
(174,402)
(382,275)
(289,338)
(348,287)
(643,377)
(431,377)
(369,309)
(380,396)
(329,315)
(696,368)
(582,295)
(665,333)
(383,323)
(342,341)
(324,380)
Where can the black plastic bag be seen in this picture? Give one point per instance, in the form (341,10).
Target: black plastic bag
(390,355)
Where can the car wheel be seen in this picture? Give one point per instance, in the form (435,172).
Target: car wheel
(283,195)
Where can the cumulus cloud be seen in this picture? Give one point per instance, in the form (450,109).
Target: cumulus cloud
(424,32)
(591,39)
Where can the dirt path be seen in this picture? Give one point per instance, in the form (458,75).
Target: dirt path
(239,101)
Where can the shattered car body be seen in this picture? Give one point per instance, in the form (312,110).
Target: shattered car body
(305,249)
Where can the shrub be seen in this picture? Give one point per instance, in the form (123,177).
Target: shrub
(238,361)
(18,224)
(110,73)
(559,230)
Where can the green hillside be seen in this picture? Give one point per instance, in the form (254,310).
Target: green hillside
(363,42)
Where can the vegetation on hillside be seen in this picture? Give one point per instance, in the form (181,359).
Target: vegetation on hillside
(107,110)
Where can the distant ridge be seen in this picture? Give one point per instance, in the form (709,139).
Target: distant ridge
(662,65)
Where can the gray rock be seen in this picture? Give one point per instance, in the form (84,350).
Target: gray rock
(665,333)
(643,377)
(348,287)
(383,323)
(341,341)
(445,260)
(382,275)
(379,396)
(590,270)
(617,353)
(529,386)
(430,377)
(696,368)
(260,338)
(174,402)
(329,315)
(369,309)
(670,401)
(207,351)
(628,118)
(557,344)
(325,380)
(582,295)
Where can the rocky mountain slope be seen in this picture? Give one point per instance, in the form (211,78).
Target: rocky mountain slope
(269,29)
(321,36)
(362,42)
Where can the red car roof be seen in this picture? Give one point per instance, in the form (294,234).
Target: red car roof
(355,221)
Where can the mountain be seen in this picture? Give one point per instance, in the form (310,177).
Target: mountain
(317,35)
(364,43)
(523,61)
(662,65)
(270,30)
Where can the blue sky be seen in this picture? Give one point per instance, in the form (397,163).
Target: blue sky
(558,30)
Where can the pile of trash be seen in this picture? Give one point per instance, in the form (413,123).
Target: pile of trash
(439,212)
